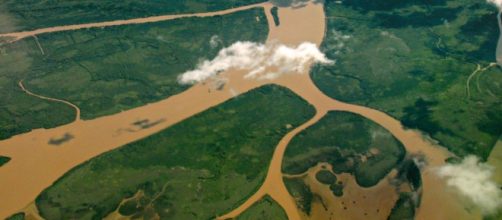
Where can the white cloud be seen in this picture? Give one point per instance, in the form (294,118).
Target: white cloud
(473,179)
(214,41)
(497,3)
(257,59)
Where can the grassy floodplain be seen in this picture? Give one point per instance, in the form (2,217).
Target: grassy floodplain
(197,169)
(108,70)
(351,144)
(412,59)
(20,15)
(264,209)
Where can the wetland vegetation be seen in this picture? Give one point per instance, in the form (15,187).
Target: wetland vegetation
(264,209)
(4,160)
(27,15)
(275,13)
(350,143)
(412,60)
(404,208)
(197,169)
(301,192)
(108,70)
(325,177)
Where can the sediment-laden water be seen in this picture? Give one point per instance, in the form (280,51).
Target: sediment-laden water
(36,164)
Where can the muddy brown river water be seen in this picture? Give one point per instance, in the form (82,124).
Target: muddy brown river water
(36,164)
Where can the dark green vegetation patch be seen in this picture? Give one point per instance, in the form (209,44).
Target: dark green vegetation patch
(301,192)
(412,59)
(29,14)
(325,177)
(197,169)
(265,209)
(105,71)
(350,143)
(20,112)
(275,14)
(404,209)
(17,216)
(4,160)
(337,189)
(409,172)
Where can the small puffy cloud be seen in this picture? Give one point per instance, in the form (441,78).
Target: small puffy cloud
(257,59)
(214,41)
(497,3)
(473,179)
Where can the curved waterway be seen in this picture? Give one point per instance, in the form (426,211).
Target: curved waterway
(36,164)
(77,110)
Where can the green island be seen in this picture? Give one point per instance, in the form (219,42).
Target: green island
(107,70)
(350,143)
(265,209)
(325,177)
(416,60)
(4,160)
(275,14)
(197,169)
(20,15)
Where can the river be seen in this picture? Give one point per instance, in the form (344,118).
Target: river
(36,164)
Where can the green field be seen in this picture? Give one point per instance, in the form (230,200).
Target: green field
(265,209)
(412,59)
(4,160)
(32,14)
(343,139)
(197,169)
(105,71)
